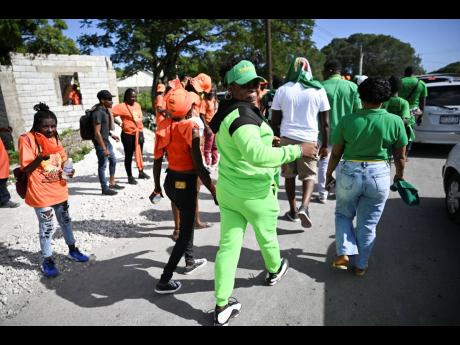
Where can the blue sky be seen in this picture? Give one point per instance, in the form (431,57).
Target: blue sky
(436,41)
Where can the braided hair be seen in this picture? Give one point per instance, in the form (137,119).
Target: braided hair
(42,112)
(128,93)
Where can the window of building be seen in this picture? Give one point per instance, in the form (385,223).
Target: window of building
(70,89)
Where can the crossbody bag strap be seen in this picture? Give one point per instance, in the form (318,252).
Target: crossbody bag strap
(135,123)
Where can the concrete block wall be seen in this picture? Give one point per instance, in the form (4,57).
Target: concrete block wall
(35,79)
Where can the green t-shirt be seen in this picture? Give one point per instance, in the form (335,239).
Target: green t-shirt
(343,97)
(408,84)
(399,106)
(248,162)
(369,134)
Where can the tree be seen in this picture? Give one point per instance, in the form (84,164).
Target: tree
(453,67)
(33,36)
(383,55)
(153,44)
(290,38)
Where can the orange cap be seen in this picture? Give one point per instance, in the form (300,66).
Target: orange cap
(161,87)
(202,82)
(178,102)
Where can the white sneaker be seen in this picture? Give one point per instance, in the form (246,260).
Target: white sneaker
(231,310)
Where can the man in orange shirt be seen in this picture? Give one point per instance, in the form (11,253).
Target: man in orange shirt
(42,157)
(5,196)
(74,95)
(132,136)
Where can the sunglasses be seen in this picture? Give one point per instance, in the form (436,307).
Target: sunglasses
(253,84)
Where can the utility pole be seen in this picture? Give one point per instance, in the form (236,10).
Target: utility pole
(361,59)
(268,36)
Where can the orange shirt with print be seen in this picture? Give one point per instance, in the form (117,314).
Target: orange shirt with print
(45,186)
(4,162)
(176,138)
(128,125)
(159,102)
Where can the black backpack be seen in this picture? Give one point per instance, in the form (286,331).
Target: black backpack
(86,125)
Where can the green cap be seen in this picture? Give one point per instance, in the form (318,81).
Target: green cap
(242,73)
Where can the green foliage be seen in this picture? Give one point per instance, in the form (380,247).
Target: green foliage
(13,157)
(383,55)
(145,100)
(66,132)
(80,154)
(453,67)
(33,36)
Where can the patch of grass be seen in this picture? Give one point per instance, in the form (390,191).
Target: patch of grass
(80,154)
(66,132)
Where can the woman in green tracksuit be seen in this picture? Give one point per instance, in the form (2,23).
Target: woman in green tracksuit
(246,188)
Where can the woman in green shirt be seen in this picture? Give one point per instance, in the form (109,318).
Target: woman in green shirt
(364,140)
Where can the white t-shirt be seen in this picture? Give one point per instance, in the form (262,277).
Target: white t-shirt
(300,109)
(200,124)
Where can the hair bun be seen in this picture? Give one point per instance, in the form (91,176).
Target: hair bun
(41,107)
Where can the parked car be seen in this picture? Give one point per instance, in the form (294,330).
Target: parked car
(441,118)
(438,77)
(451,180)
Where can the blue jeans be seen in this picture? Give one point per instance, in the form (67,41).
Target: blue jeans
(102,162)
(47,225)
(362,190)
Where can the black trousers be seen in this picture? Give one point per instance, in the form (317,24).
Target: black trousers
(128,142)
(4,194)
(181,190)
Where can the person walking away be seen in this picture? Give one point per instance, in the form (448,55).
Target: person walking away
(343,99)
(103,125)
(42,157)
(246,188)
(132,136)
(364,140)
(181,140)
(296,109)
(5,197)
(415,92)
(399,106)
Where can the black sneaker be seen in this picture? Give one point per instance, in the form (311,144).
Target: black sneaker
(169,287)
(273,278)
(116,186)
(132,180)
(230,311)
(189,269)
(143,175)
(304,216)
(109,191)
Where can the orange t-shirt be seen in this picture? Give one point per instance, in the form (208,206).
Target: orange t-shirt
(128,125)
(197,104)
(176,138)
(159,102)
(74,98)
(4,162)
(45,186)
(209,109)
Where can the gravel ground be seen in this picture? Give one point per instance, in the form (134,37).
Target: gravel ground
(97,220)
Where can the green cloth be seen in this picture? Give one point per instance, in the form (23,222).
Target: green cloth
(408,83)
(343,98)
(399,106)
(300,72)
(248,162)
(242,73)
(369,134)
(408,193)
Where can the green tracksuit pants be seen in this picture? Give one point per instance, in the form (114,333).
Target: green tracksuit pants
(235,214)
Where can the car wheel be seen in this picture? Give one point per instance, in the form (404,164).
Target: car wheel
(453,197)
